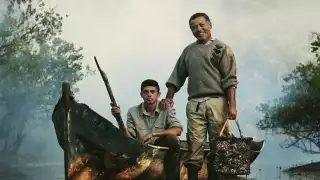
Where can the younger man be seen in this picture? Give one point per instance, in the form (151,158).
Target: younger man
(151,125)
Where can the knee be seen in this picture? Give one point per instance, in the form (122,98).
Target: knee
(195,155)
(173,141)
(173,138)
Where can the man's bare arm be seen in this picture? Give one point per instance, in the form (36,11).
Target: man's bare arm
(171,92)
(228,70)
(171,131)
(231,96)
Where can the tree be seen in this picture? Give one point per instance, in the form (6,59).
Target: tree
(34,60)
(296,114)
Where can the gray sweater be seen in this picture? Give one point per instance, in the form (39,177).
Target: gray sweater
(210,68)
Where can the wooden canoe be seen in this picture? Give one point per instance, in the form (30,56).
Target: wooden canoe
(102,148)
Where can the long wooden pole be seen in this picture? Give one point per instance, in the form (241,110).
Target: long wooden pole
(113,100)
(66,92)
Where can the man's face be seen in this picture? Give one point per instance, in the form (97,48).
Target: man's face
(150,94)
(201,28)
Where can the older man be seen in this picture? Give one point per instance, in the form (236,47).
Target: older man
(210,66)
(151,125)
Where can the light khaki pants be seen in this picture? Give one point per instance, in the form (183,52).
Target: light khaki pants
(204,115)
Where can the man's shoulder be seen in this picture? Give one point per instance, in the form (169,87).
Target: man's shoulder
(170,110)
(134,109)
(222,48)
(221,44)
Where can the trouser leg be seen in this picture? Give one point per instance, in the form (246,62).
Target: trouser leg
(216,115)
(171,160)
(196,136)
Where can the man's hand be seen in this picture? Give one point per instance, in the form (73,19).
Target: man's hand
(232,114)
(168,101)
(165,103)
(115,110)
(146,137)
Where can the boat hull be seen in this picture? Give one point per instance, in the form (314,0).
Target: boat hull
(113,155)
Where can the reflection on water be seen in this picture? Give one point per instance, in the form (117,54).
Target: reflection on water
(34,173)
(56,173)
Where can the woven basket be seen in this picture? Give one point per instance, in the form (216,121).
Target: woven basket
(232,154)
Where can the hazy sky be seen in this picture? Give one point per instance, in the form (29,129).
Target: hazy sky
(138,39)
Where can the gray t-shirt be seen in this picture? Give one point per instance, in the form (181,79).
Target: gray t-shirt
(210,68)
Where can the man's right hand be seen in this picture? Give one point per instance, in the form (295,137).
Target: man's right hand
(165,103)
(115,110)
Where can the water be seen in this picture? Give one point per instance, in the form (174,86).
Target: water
(56,173)
(33,173)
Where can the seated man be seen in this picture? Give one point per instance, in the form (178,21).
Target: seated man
(149,124)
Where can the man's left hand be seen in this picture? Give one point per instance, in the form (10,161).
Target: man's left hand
(232,113)
(146,137)
(165,103)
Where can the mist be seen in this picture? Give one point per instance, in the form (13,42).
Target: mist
(143,39)
(136,40)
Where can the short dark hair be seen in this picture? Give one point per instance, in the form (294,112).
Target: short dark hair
(199,14)
(150,82)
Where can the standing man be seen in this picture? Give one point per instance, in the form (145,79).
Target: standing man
(151,125)
(210,67)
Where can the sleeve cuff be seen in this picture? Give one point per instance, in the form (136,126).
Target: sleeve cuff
(230,83)
(175,86)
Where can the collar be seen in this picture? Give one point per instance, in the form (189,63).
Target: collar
(210,41)
(143,110)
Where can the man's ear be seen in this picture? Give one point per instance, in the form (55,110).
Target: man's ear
(159,94)
(141,95)
(210,25)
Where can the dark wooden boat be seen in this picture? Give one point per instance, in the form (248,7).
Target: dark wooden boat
(101,151)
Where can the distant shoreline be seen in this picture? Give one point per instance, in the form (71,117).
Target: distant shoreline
(26,165)
(37,164)
(310,167)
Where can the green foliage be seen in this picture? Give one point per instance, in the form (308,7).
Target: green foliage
(296,115)
(34,61)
